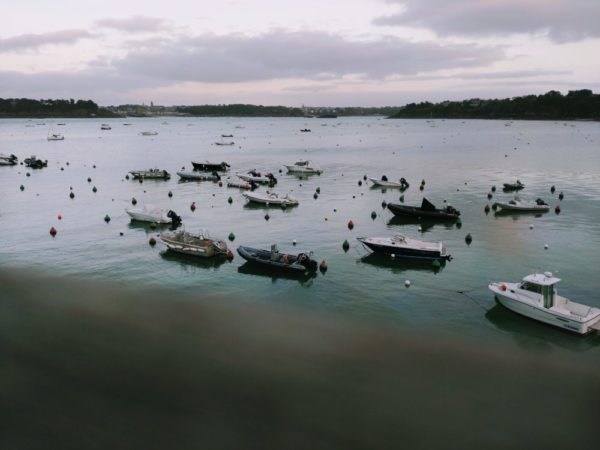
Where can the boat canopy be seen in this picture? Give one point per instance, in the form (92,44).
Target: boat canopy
(541,279)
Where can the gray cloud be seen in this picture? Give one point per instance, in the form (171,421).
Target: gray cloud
(314,55)
(32,41)
(562,20)
(134,24)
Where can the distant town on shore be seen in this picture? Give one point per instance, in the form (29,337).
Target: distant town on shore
(575,105)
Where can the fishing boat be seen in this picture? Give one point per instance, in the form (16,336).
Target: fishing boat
(225,143)
(35,163)
(8,160)
(384,182)
(299,263)
(537,298)
(105,126)
(55,137)
(156,174)
(426,211)
(153,215)
(193,244)
(227,135)
(198,176)
(270,198)
(303,167)
(402,247)
(305,130)
(149,133)
(516,186)
(517,205)
(207,166)
(257,177)
(240,184)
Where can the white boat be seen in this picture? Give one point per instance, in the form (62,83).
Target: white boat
(150,174)
(537,298)
(402,247)
(402,184)
(8,160)
(238,183)
(270,198)
(199,176)
(149,133)
(105,126)
(153,215)
(519,205)
(303,167)
(55,137)
(257,177)
(225,143)
(194,244)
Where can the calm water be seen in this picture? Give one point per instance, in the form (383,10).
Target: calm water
(460,161)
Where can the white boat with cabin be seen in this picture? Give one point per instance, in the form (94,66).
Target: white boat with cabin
(537,298)
(524,206)
(303,167)
(270,198)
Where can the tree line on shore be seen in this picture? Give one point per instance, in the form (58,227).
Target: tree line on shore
(25,107)
(581,104)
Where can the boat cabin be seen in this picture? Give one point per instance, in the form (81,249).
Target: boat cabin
(542,284)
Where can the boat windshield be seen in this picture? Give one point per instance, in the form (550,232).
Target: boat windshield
(531,287)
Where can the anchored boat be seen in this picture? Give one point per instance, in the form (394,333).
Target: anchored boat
(402,247)
(270,198)
(516,186)
(257,177)
(300,263)
(426,211)
(151,174)
(194,244)
(153,215)
(403,184)
(210,166)
(537,298)
(35,163)
(517,205)
(8,160)
(196,176)
(303,167)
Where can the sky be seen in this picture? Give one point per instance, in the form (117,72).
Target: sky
(294,53)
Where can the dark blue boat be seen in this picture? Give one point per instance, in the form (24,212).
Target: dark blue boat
(300,263)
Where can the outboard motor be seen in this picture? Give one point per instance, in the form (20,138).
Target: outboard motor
(404,183)
(215,174)
(540,202)
(273,180)
(254,173)
(175,219)
(253,185)
(384,178)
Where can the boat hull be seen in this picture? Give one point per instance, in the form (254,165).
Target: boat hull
(404,252)
(415,211)
(146,217)
(214,248)
(210,167)
(264,259)
(521,208)
(197,176)
(278,201)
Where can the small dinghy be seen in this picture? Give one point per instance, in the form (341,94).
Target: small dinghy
(149,133)
(537,298)
(270,198)
(197,176)
(426,211)
(225,143)
(303,167)
(241,184)
(402,184)
(150,174)
(300,263)
(257,177)
(153,215)
(402,247)
(517,205)
(193,244)
(55,137)
(105,126)
(210,166)
(8,160)
(517,186)
(227,135)
(35,163)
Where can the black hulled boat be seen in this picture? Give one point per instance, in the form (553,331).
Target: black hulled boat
(427,210)
(300,263)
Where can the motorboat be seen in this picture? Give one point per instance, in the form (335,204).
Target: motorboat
(35,163)
(193,244)
(303,167)
(305,130)
(8,160)
(105,126)
(240,184)
(270,198)
(518,205)
(225,143)
(537,298)
(55,137)
(299,263)
(199,176)
(516,186)
(384,182)
(157,174)
(402,247)
(149,133)
(153,215)
(257,177)
(207,166)
(227,135)
(426,211)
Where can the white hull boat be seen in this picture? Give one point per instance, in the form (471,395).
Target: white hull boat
(239,183)
(151,174)
(224,143)
(8,160)
(389,184)
(149,133)
(199,176)
(149,214)
(105,126)
(194,244)
(55,137)
(536,297)
(270,198)
(260,179)
(402,247)
(303,167)
(518,205)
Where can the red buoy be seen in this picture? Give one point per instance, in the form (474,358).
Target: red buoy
(193,206)
(350,224)
(52,231)
(229,255)
(59,216)
(323,266)
(152,242)
(557,209)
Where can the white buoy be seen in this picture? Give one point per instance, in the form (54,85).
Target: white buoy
(420,230)
(546,247)
(407,283)
(531,227)
(393,256)
(294,242)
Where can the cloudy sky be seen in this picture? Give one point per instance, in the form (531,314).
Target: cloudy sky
(313,52)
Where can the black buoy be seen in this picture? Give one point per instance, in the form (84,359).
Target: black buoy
(152,242)
(170,194)
(127,177)
(495,206)
(468,239)
(383,204)
(323,266)
(72,195)
(133,201)
(230,200)
(373,215)
(345,245)
(89,180)
(561,196)
(489,195)
(318,190)
(493,188)
(552,189)
(487,209)
(193,206)
(267,217)
(359,182)
(94,189)
(107,218)
(22,187)
(315,196)
(52,231)
(231,236)
(365,177)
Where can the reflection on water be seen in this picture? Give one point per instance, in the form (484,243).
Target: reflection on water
(150,227)
(532,333)
(426,225)
(399,265)
(516,214)
(189,260)
(249,268)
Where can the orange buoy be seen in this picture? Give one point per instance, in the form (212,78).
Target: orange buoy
(350,224)
(52,231)
(193,206)
(323,266)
